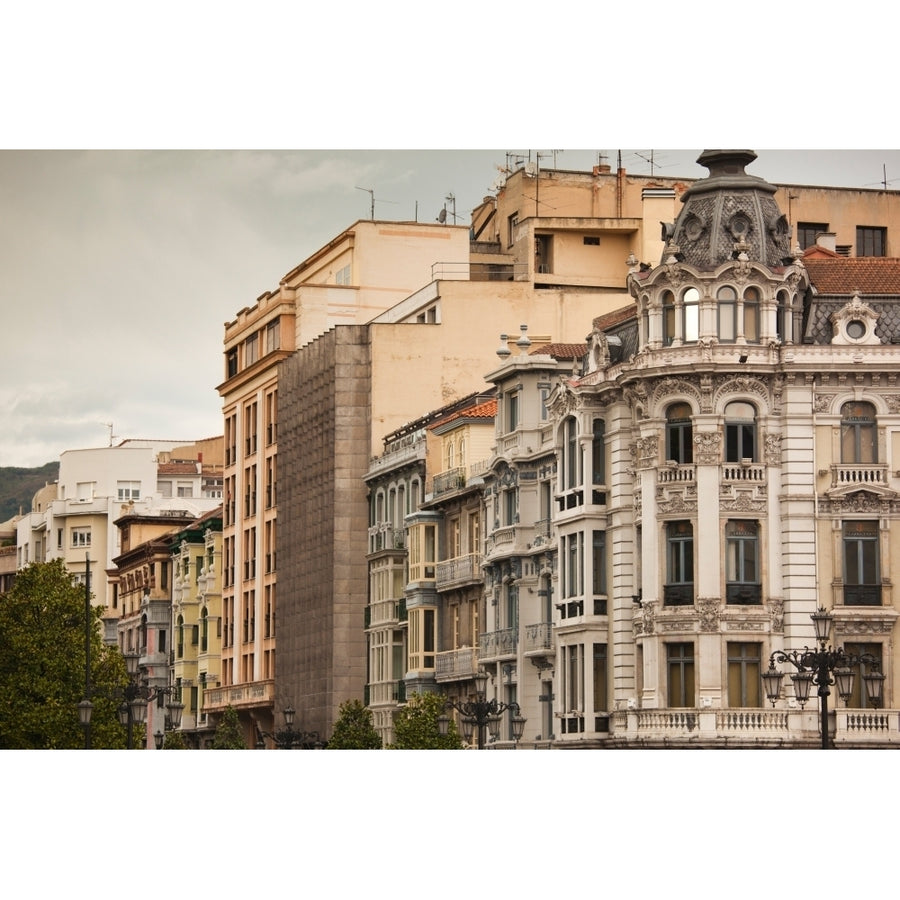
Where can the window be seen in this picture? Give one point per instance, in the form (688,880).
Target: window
(727,303)
(744,675)
(601,691)
(859,442)
(742,562)
(858,697)
(870,241)
(251,350)
(599,566)
(668,322)
(572,682)
(740,432)
(680,675)
(84,490)
(510,509)
(343,275)
(570,468)
(690,314)
(512,410)
(512,223)
(571,556)
(81,537)
(271,417)
(862,571)
(679,587)
(598,460)
(782,317)
(185,489)
(421,552)
(422,638)
(679,433)
(231,363)
(751,314)
(272,334)
(807,231)
(511,604)
(591,240)
(128,490)
(204,630)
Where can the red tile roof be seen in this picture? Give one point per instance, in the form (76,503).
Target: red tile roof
(866,274)
(616,317)
(486,410)
(561,351)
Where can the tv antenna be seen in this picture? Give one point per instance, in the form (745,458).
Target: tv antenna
(884,179)
(371,193)
(442,216)
(112,436)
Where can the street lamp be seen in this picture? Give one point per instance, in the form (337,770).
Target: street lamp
(824,666)
(481,713)
(287,738)
(137,694)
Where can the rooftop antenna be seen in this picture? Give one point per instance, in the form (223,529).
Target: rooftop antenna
(112,436)
(648,159)
(371,193)
(884,179)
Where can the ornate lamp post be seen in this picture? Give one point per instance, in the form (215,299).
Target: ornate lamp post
(482,713)
(137,694)
(287,738)
(824,666)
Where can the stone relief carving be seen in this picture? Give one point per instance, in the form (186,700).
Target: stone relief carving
(773,449)
(708,613)
(647,451)
(776,610)
(706,447)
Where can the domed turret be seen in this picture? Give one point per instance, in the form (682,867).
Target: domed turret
(727,213)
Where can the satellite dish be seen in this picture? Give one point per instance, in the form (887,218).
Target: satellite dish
(531,169)
(442,217)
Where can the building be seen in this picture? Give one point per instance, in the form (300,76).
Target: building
(749,421)
(75,518)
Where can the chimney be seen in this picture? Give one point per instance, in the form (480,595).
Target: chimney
(827,240)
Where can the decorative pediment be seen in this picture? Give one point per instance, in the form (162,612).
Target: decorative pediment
(854,324)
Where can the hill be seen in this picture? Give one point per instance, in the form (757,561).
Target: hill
(18,486)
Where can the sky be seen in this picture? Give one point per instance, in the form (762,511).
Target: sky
(119,268)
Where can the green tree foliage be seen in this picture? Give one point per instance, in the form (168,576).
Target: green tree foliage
(228,734)
(174,741)
(42,627)
(416,726)
(353,729)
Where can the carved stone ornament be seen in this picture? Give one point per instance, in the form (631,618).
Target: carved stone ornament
(708,613)
(854,323)
(677,505)
(647,451)
(648,608)
(853,627)
(776,610)
(773,449)
(706,447)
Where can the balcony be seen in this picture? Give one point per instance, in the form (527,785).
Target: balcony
(240,696)
(847,475)
(458,571)
(386,693)
(451,480)
(851,728)
(456,665)
(498,644)
(745,471)
(539,639)
(676,473)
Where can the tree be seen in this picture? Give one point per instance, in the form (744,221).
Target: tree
(416,726)
(353,729)
(228,734)
(42,665)
(174,741)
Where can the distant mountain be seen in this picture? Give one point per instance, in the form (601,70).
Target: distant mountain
(18,486)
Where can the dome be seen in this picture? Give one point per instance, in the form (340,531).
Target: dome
(727,213)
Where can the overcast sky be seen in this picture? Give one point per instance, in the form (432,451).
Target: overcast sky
(118,269)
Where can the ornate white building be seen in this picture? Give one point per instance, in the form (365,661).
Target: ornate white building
(749,414)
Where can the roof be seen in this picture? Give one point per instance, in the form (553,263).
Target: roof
(486,410)
(845,275)
(177,468)
(562,351)
(616,317)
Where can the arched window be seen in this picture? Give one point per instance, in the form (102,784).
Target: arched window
(691,315)
(462,451)
(859,442)
(740,431)
(751,313)
(726,298)
(668,323)
(782,317)
(449,455)
(679,433)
